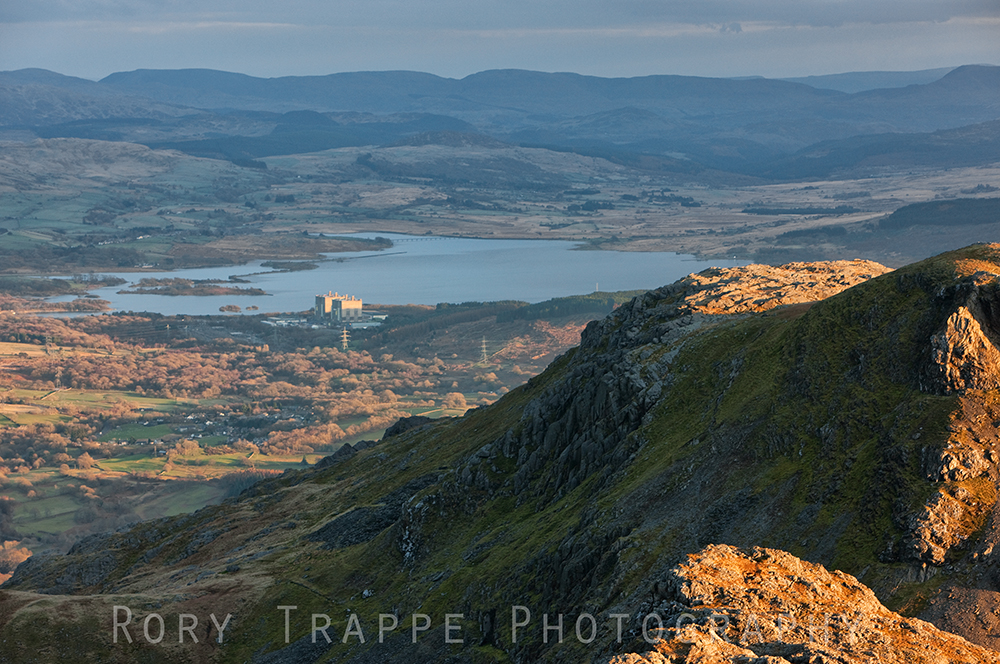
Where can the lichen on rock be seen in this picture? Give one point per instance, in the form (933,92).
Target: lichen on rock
(767,606)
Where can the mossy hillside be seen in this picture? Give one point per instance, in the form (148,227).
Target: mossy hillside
(334,581)
(75,630)
(829,399)
(849,441)
(838,446)
(984,495)
(475,547)
(737,376)
(911,598)
(470,560)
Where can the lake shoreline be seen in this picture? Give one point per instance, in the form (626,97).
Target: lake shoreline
(424,270)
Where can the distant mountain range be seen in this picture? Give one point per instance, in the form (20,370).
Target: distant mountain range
(859,81)
(751,126)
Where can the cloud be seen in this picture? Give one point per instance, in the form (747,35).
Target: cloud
(164,27)
(500,14)
(815,13)
(93,38)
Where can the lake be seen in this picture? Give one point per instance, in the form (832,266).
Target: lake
(428,270)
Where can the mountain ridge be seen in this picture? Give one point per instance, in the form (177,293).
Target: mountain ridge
(856,431)
(758,127)
(859,81)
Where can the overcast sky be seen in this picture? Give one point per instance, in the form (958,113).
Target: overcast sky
(454,38)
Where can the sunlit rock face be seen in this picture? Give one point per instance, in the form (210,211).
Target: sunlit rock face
(965,355)
(726,604)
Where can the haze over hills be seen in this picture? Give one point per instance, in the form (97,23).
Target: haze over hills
(492,95)
(36,97)
(859,81)
(749,126)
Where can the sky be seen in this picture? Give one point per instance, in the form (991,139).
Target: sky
(455,38)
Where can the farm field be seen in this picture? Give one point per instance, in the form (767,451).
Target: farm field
(126,207)
(111,419)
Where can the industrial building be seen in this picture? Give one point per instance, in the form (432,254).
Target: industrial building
(338,308)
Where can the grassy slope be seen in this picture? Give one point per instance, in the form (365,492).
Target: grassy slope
(827,430)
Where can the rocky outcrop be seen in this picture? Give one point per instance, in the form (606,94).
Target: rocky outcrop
(343,453)
(965,461)
(964,351)
(579,425)
(590,420)
(966,473)
(755,288)
(769,607)
(404,424)
(364,523)
(964,356)
(946,520)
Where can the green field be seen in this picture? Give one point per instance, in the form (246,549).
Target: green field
(137,432)
(199,466)
(51,504)
(188,498)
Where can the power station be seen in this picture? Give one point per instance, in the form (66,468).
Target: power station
(338,308)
